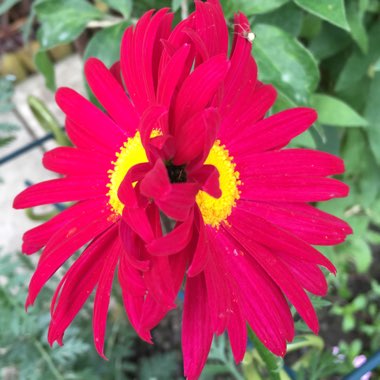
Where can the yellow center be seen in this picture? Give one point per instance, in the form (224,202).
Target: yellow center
(214,210)
(217,210)
(131,154)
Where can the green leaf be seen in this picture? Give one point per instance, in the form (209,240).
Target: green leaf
(358,64)
(372,114)
(361,254)
(285,63)
(46,67)
(330,41)
(332,11)
(250,7)
(288,18)
(63,21)
(355,17)
(332,111)
(105,45)
(122,6)
(7,4)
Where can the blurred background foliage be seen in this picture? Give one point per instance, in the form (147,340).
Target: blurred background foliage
(324,54)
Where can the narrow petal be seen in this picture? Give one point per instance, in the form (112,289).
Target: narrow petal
(196,327)
(63,245)
(273,132)
(99,127)
(193,138)
(77,285)
(37,237)
(282,188)
(72,161)
(277,239)
(290,162)
(111,95)
(173,242)
(280,275)
(60,190)
(306,222)
(103,292)
(200,87)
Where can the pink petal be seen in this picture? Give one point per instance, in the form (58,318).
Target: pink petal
(211,26)
(60,190)
(193,138)
(306,222)
(103,292)
(290,162)
(37,237)
(111,95)
(63,245)
(77,285)
(72,161)
(282,188)
(273,132)
(171,75)
(173,242)
(199,88)
(278,272)
(201,252)
(277,239)
(196,327)
(97,126)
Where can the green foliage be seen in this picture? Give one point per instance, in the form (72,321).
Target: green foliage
(62,21)
(6,105)
(332,11)
(285,63)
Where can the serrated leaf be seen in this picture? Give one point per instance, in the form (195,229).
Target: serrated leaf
(372,114)
(334,112)
(122,6)
(63,21)
(285,63)
(332,11)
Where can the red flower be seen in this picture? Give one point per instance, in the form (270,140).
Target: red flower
(185,138)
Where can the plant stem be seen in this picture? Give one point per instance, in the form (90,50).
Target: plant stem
(48,360)
(268,358)
(184,9)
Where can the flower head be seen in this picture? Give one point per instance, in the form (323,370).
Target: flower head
(184,138)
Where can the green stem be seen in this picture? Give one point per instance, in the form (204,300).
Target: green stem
(268,358)
(47,120)
(48,360)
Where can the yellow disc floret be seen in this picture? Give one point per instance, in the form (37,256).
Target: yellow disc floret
(217,210)
(131,154)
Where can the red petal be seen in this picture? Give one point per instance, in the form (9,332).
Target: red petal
(196,327)
(111,95)
(103,292)
(60,190)
(96,125)
(77,285)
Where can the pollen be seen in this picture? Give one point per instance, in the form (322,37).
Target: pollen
(217,210)
(131,153)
